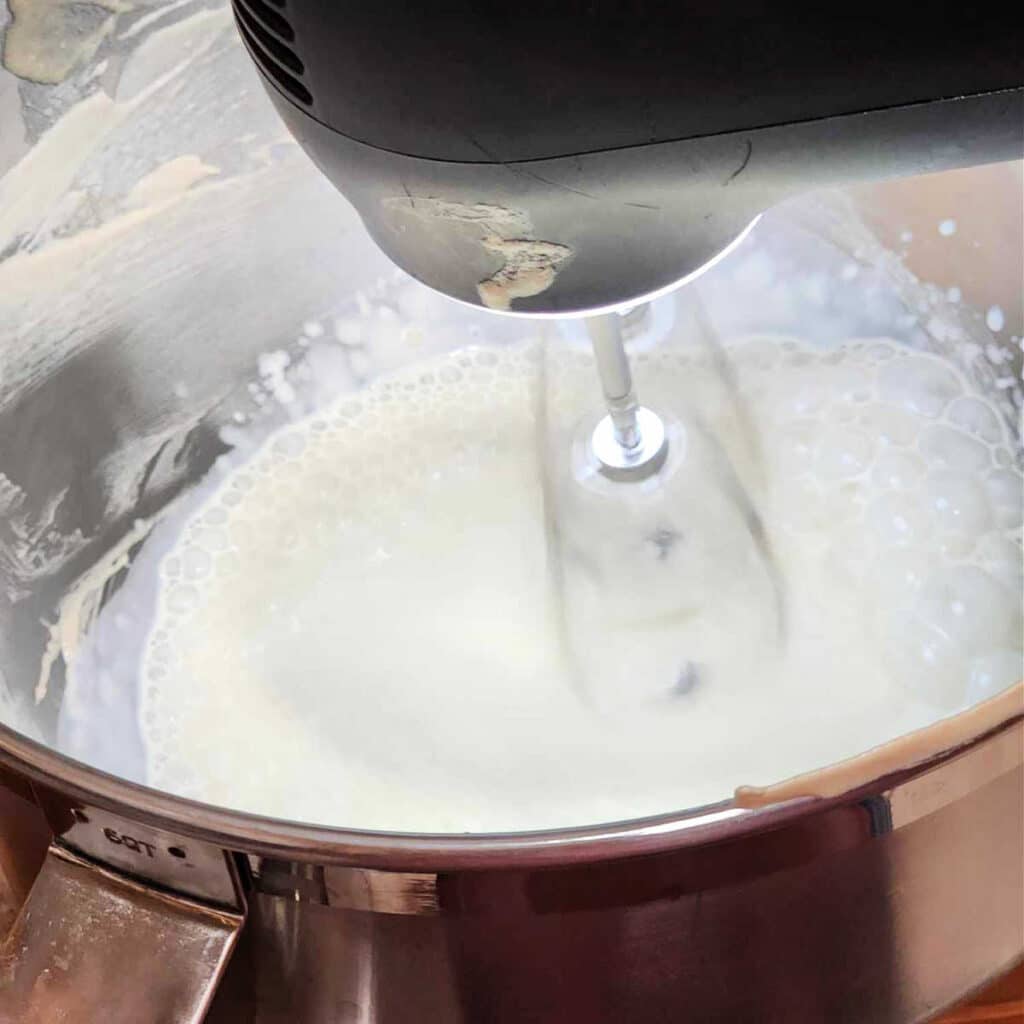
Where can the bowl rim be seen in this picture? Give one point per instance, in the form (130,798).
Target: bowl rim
(81,785)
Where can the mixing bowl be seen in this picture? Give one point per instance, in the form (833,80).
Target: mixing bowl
(173,268)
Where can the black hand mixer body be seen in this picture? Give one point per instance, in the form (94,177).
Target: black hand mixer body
(562,157)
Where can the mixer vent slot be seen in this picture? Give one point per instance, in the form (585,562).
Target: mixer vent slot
(269,38)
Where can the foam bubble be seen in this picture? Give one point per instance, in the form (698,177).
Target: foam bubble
(892,425)
(949,448)
(899,470)
(957,503)
(976,417)
(903,573)
(970,607)
(196,563)
(922,385)
(1004,492)
(899,518)
(995,318)
(925,661)
(1003,558)
(211,538)
(993,672)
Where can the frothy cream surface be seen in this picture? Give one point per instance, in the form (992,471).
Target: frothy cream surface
(421,610)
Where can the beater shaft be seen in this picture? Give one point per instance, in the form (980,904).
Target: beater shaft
(616,378)
(630,442)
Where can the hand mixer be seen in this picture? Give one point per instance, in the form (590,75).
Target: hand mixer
(565,158)
(572,159)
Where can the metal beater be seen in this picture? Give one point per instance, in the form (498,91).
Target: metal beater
(630,443)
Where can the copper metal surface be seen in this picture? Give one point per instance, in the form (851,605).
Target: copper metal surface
(884,909)
(24,838)
(884,906)
(187,867)
(91,946)
(1002,1001)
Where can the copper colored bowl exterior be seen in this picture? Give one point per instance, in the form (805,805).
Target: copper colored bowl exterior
(887,904)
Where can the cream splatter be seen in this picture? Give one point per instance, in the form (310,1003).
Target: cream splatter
(47,40)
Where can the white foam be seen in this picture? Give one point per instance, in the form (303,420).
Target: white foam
(995,318)
(363,626)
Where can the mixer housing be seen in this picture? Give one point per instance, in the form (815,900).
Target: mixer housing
(563,158)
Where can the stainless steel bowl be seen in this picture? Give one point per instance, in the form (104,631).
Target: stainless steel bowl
(150,203)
